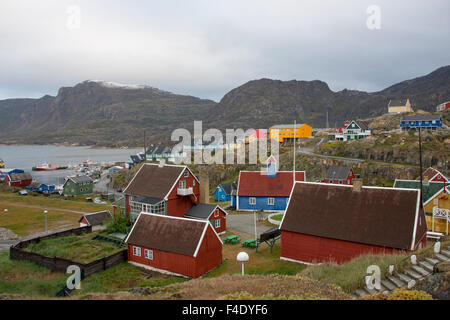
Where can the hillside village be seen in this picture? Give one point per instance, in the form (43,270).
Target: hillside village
(182,224)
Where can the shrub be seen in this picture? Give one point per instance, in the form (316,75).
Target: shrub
(400,294)
(118,224)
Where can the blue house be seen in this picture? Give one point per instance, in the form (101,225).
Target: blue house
(266,192)
(430,122)
(223,191)
(40,187)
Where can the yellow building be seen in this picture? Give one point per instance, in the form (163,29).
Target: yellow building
(438,207)
(399,106)
(282,132)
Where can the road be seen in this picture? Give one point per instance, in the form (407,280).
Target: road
(5,244)
(245,223)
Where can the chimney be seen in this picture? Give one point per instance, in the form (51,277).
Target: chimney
(425,180)
(357,185)
(204,185)
(162,162)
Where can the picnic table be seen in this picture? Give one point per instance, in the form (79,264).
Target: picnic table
(232,239)
(251,243)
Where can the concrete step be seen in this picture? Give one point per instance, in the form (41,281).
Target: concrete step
(389,285)
(421,271)
(370,291)
(427,266)
(410,282)
(397,281)
(441,257)
(445,253)
(432,261)
(360,293)
(413,274)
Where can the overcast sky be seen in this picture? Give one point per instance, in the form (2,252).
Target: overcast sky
(206,48)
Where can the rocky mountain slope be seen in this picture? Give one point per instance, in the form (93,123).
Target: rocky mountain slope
(108,114)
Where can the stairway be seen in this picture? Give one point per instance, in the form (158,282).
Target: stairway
(410,276)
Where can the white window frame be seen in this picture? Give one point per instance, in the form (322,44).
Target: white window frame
(217,223)
(271,201)
(148,254)
(252,201)
(136,251)
(186,174)
(182,184)
(216,213)
(436,201)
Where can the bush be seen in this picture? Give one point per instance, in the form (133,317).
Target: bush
(400,294)
(244,295)
(118,224)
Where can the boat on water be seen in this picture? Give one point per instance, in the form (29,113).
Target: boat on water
(2,163)
(48,167)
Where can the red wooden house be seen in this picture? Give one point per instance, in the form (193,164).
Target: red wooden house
(96,219)
(339,175)
(216,216)
(161,189)
(19,180)
(328,222)
(173,245)
(433,175)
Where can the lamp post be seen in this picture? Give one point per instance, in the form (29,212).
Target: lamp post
(242,257)
(45,214)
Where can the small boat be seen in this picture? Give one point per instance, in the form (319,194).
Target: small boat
(48,167)
(2,163)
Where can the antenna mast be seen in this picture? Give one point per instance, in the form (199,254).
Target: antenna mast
(293,170)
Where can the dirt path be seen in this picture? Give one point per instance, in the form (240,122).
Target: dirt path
(40,207)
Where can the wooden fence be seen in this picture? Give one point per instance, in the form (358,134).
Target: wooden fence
(60,264)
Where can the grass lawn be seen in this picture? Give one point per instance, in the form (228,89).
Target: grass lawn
(25,221)
(261,262)
(25,213)
(277,217)
(122,277)
(76,248)
(75,204)
(350,276)
(32,280)
(28,278)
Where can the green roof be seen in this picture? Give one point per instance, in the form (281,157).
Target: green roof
(429,190)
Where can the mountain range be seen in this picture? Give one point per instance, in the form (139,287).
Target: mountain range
(100,113)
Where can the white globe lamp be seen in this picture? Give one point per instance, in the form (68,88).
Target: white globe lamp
(242,257)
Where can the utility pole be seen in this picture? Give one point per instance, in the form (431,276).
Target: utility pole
(327,120)
(420,163)
(145,149)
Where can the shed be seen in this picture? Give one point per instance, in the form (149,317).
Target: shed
(328,222)
(173,245)
(95,219)
(18,179)
(339,175)
(210,212)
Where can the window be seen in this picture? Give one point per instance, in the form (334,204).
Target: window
(270,201)
(217,223)
(136,251)
(340,181)
(186,174)
(148,254)
(182,184)
(193,183)
(216,213)
(436,201)
(252,201)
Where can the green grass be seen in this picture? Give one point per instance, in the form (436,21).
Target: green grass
(122,277)
(277,217)
(28,278)
(76,248)
(350,276)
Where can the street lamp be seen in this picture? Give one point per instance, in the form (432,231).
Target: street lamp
(242,257)
(45,214)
